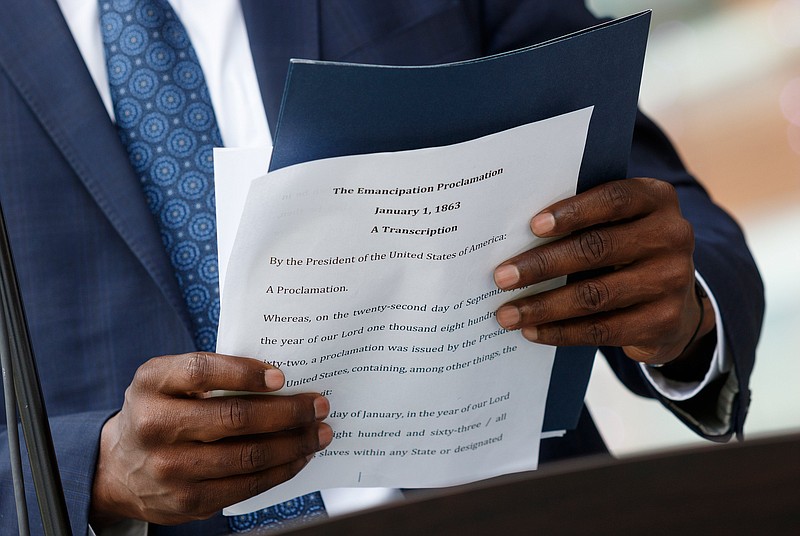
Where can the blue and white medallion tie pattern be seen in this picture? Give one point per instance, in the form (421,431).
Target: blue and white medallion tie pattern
(167,124)
(280,516)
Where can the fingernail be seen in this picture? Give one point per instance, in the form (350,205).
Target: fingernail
(508,316)
(321,407)
(325,435)
(543,223)
(506,276)
(274,378)
(532,334)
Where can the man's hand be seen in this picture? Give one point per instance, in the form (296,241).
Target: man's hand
(173,454)
(640,295)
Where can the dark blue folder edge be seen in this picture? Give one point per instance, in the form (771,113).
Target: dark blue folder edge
(336,109)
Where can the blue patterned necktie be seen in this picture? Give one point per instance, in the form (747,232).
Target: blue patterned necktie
(167,124)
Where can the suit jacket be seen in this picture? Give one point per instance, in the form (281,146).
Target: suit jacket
(99,291)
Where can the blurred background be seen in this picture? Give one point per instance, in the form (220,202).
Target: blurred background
(722,77)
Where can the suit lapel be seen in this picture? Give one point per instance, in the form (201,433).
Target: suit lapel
(43,62)
(279,31)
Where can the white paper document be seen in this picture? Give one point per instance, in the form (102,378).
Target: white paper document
(369,278)
(234,170)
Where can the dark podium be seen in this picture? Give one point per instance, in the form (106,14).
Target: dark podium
(746,488)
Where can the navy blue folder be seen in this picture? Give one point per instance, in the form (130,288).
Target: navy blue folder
(336,109)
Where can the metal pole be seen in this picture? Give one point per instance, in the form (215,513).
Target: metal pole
(13,434)
(30,402)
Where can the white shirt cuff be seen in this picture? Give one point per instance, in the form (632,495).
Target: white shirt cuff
(720,363)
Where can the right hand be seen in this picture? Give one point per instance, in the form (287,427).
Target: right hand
(173,454)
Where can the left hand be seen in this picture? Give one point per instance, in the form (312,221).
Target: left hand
(643,300)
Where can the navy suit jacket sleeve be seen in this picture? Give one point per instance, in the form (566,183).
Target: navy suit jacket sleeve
(99,292)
